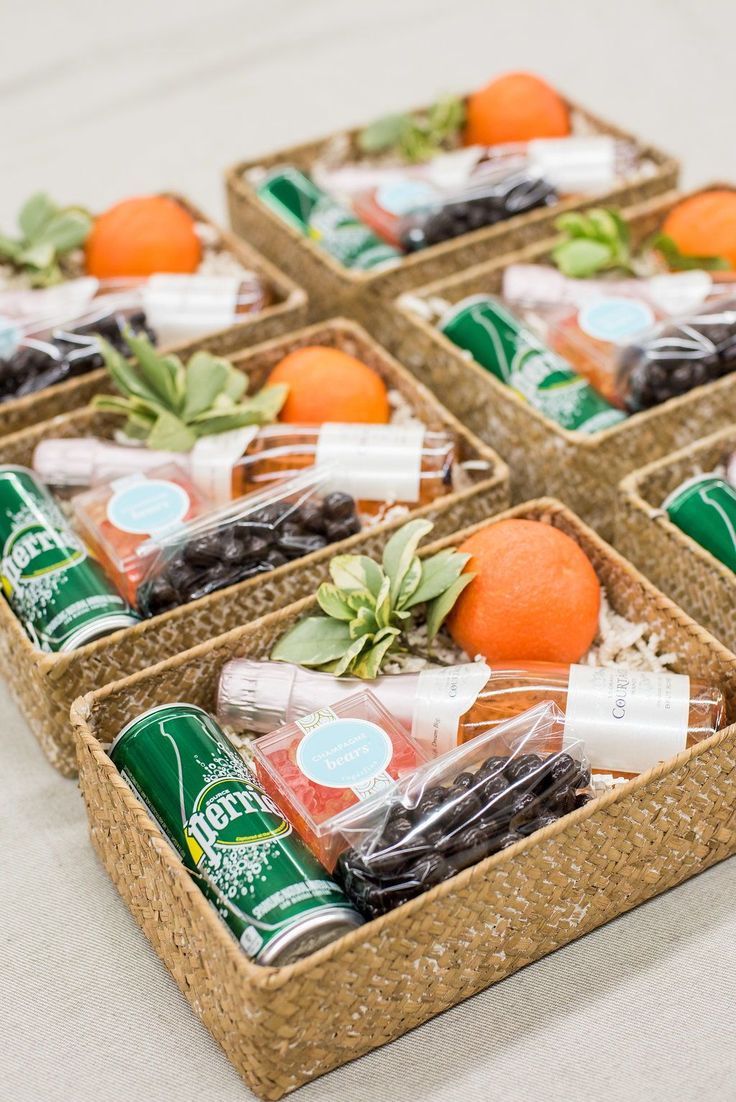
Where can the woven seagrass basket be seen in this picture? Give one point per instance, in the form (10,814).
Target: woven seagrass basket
(284,1026)
(287,310)
(705,587)
(45,684)
(331,286)
(583,471)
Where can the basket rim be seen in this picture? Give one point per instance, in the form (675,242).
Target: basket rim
(237,184)
(589,442)
(290,297)
(54,664)
(271,978)
(631,493)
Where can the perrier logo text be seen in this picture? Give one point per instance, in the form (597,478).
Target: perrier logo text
(230,812)
(34,551)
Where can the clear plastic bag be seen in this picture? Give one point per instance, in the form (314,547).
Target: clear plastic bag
(462,807)
(254,534)
(50,356)
(676,356)
(511,194)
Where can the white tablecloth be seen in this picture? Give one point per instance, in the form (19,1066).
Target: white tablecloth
(101,102)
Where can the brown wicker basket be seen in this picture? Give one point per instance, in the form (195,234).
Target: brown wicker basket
(705,587)
(287,311)
(583,471)
(331,286)
(284,1026)
(45,684)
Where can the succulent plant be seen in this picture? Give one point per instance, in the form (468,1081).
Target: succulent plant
(47,233)
(416,137)
(169,405)
(368,607)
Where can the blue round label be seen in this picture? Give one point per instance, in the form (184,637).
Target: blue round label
(615,319)
(344,753)
(146,506)
(404,196)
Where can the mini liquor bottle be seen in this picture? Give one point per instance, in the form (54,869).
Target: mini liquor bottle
(372,463)
(121,520)
(628,719)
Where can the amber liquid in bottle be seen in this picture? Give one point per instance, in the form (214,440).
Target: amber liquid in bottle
(281,451)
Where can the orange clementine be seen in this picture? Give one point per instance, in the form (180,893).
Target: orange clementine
(705,224)
(326,384)
(535,597)
(142,236)
(515,108)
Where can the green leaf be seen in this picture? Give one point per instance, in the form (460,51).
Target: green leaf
(37,256)
(66,231)
(383,134)
(364,623)
(205,377)
(330,601)
(138,428)
(9,248)
(369,664)
(412,578)
(438,572)
(356,572)
(35,213)
(344,663)
(236,384)
(313,642)
(158,372)
(124,375)
(440,608)
(400,550)
(682,262)
(360,599)
(581,257)
(573,223)
(171,434)
(383,604)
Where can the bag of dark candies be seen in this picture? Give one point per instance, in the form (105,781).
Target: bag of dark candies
(472,802)
(484,205)
(47,357)
(676,356)
(252,535)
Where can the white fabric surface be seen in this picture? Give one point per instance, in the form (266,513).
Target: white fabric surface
(99,102)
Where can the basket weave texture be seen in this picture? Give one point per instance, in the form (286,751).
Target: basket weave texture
(695,578)
(583,471)
(287,311)
(282,1027)
(44,685)
(331,286)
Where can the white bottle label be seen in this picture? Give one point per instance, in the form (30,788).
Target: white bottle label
(442,697)
(680,292)
(373,462)
(213,458)
(180,306)
(628,719)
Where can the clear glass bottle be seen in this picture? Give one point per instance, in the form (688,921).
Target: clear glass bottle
(372,463)
(628,719)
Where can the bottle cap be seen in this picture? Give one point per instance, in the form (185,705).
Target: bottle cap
(254,696)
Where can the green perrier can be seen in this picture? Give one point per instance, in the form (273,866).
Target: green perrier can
(59,594)
(498,341)
(277,899)
(704,507)
(296,200)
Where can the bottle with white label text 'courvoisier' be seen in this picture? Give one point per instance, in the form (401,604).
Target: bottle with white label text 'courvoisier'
(372,463)
(629,719)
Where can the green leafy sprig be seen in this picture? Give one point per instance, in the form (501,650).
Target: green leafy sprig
(367,608)
(169,405)
(415,137)
(599,240)
(47,234)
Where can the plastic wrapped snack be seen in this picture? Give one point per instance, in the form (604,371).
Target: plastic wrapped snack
(676,356)
(324,764)
(252,535)
(462,807)
(514,193)
(43,359)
